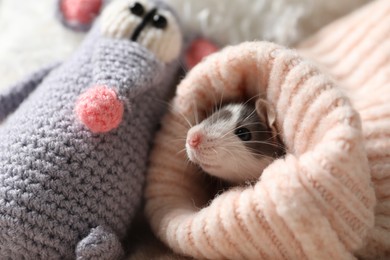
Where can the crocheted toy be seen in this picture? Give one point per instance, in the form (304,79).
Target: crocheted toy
(74,140)
(317,202)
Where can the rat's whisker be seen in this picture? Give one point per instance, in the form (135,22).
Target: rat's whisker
(221,99)
(267,143)
(172,109)
(251,114)
(235,145)
(183,66)
(179,139)
(235,128)
(181,151)
(250,99)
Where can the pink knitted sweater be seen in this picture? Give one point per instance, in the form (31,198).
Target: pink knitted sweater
(317,202)
(356,52)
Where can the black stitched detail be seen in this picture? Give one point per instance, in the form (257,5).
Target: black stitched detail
(148,17)
(160,21)
(137,9)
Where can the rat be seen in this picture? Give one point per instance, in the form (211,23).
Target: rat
(237,142)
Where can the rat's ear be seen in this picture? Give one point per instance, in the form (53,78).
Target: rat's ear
(266,112)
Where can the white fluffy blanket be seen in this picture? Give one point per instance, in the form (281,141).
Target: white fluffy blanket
(31,35)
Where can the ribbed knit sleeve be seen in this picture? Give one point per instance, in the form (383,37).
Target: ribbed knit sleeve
(356,51)
(315,203)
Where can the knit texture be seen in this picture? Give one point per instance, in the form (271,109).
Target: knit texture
(66,192)
(13,96)
(316,203)
(356,52)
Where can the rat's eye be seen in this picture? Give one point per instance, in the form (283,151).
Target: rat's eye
(160,21)
(243,133)
(137,9)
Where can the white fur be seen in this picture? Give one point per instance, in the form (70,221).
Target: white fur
(32,37)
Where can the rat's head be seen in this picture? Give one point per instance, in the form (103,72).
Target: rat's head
(235,143)
(136,47)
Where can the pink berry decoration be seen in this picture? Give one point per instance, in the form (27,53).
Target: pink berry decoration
(99,109)
(199,49)
(80,11)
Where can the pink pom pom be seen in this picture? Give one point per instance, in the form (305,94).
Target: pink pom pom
(80,11)
(199,49)
(99,109)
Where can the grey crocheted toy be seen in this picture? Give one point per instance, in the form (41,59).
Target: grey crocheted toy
(74,138)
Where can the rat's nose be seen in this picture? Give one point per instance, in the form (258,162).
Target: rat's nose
(99,109)
(195,139)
